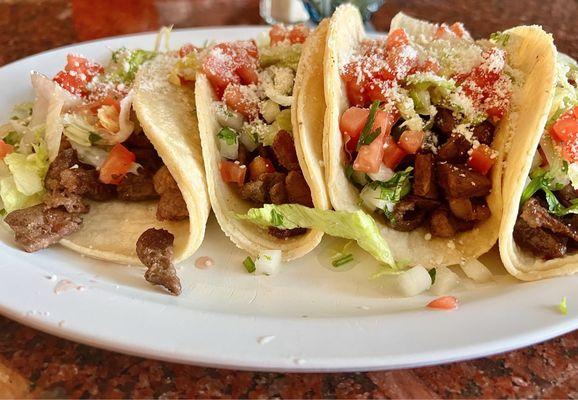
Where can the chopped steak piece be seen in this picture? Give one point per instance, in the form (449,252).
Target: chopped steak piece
(148,159)
(138,140)
(441,224)
(36,227)
(284,150)
(278,193)
(243,155)
(566,195)
(424,182)
(537,216)
(172,206)
(444,121)
(484,133)
(468,210)
(272,178)
(137,187)
(286,233)
(71,202)
(297,189)
(459,181)
(64,160)
(455,149)
(85,182)
(572,221)
(164,181)
(538,241)
(155,250)
(255,191)
(407,216)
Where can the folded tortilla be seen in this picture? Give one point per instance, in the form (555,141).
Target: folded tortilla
(530,50)
(167,115)
(307,115)
(520,263)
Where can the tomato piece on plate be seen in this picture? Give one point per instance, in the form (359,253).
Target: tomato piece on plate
(481,159)
(411,141)
(443,32)
(392,154)
(116,165)
(76,75)
(5,149)
(369,156)
(233,172)
(241,99)
(458,29)
(444,303)
(259,166)
(396,38)
(186,49)
(566,127)
(219,68)
(298,34)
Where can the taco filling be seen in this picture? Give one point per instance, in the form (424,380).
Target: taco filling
(547,223)
(253,84)
(80,141)
(418,133)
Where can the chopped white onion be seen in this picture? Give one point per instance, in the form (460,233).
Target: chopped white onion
(477,271)
(268,262)
(227,117)
(229,151)
(445,281)
(371,198)
(383,174)
(413,281)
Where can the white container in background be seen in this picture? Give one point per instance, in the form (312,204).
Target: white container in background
(284,11)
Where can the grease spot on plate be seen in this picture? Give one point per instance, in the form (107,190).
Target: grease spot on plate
(265,339)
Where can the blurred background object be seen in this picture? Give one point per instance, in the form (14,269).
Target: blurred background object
(283,11)
(319,9)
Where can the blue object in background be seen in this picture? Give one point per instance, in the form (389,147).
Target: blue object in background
(319,9)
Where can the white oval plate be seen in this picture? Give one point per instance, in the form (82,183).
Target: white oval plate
(309,317)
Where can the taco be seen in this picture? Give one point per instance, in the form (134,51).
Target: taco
(105,158)
(417,125)
(539,232)
(260,145)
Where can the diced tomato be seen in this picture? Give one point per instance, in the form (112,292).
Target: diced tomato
(458,29)
(259,166)
(294,34)
(240,99)
(443,32)
(566,127)
(220,71)
(298,34)
(351,124)
(369,156)
(233,172)
(444,303)
(77,73)
(5,149)
(392,154)
(481,159)
(356,94)
(396,38)
(277,34)
(248,71)
(411,141)
(186,49)
(116,165)
(401,60)
(429,65)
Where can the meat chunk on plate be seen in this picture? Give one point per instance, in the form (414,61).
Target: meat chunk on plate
(460,181)
(444,121)
(537,216)
(284,150)
(441,224)
(36,227)
(255,191)
(469,210)
(455,149)
(163,180)
(71,202)
(286,233)
(539,241)
(137,187)
(410,212)
(172,206)
(85,182)
(297,189)
(155,250)
(484,133)
(424,180)
(566,195)
(66,159)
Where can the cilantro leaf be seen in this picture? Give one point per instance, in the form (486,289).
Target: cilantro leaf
(542,181)
(366,133)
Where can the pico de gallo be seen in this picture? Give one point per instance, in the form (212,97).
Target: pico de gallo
(547,223)
(253,84)
(418,133)
(80,140)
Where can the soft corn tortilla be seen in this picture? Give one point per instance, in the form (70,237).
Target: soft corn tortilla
(167,114)
(307,114)
(520,263)
(529,50)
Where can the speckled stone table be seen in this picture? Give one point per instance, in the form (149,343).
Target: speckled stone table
(37,365)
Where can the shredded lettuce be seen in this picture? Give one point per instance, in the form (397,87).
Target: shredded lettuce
(125,63)
(563,306)
(79,130)
(393,190)
(566,92)
(91,155)
(185,68)
(22,112)
(29,170)
(285,55)
(13,199)
(283,120)
(356,226)
(542,181)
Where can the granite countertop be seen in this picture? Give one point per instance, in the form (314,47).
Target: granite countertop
(35,364)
